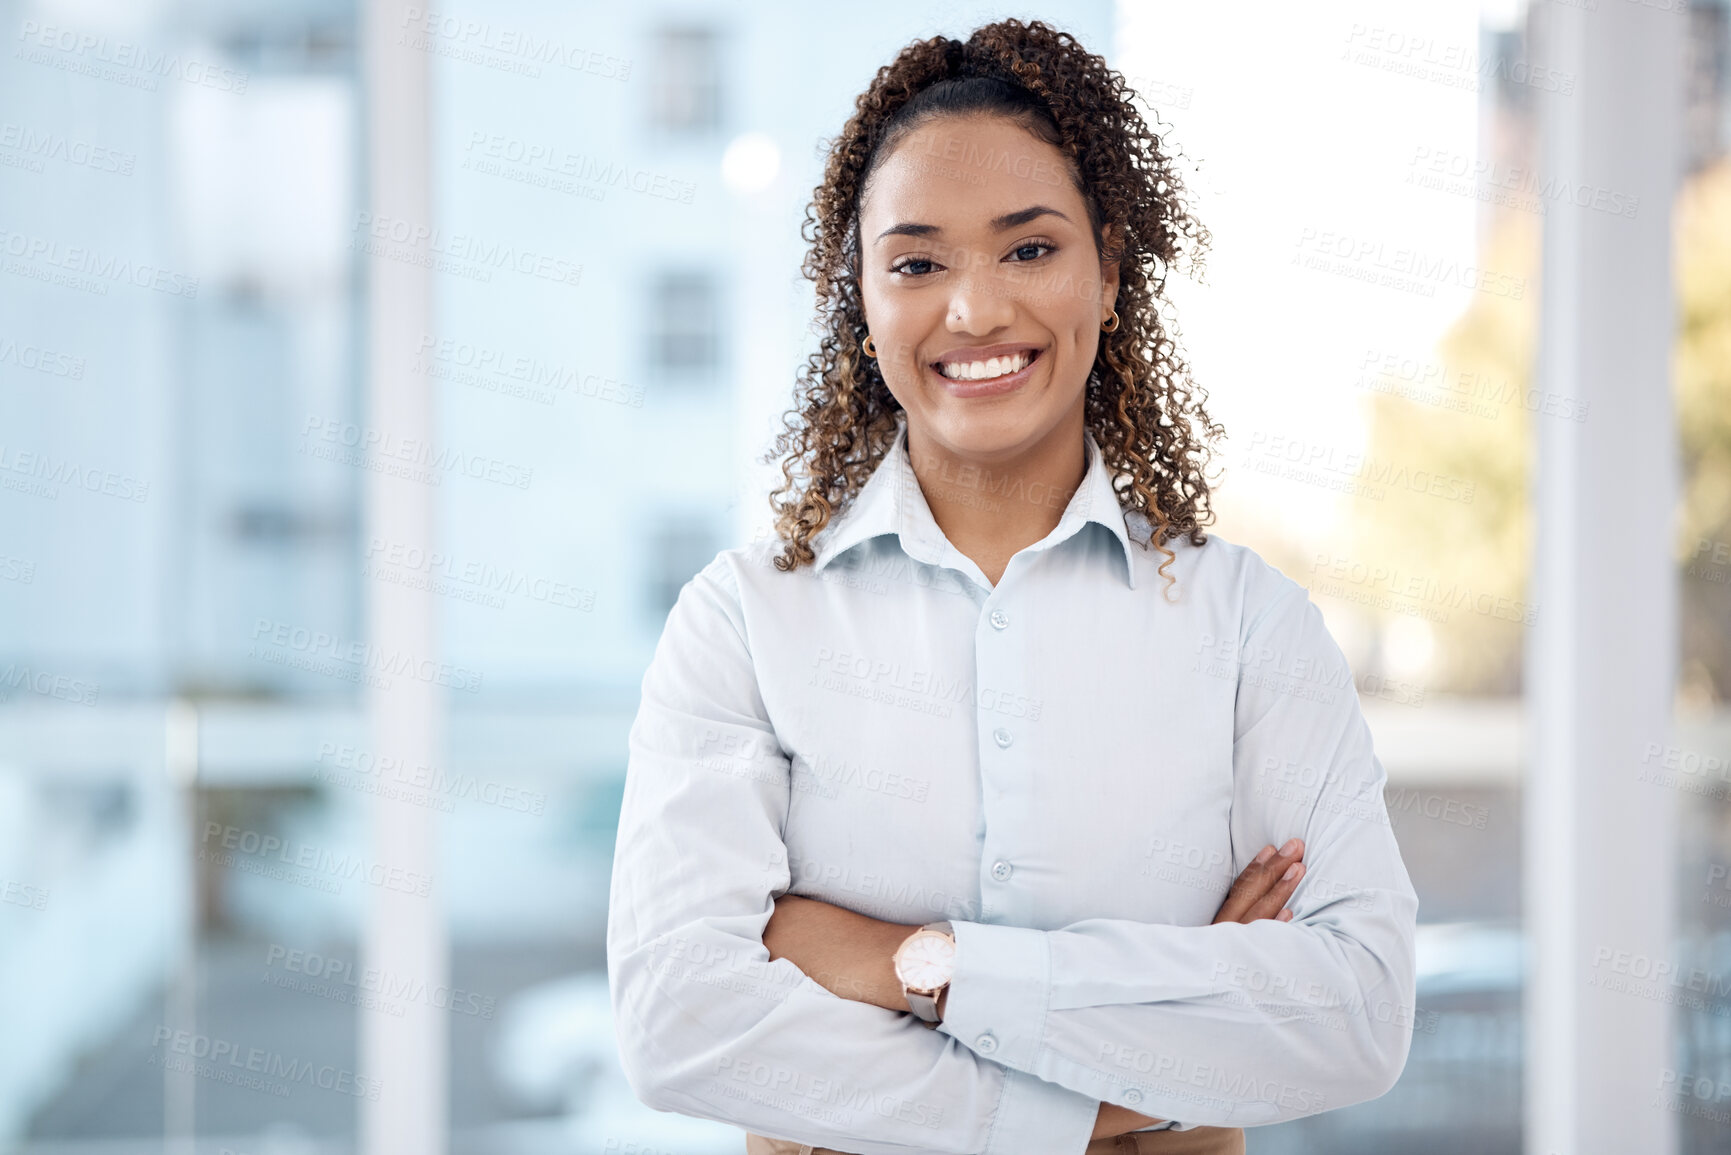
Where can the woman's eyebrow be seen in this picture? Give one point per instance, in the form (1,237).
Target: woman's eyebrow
(999,224)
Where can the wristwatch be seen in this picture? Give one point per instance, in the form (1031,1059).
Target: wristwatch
(925,962)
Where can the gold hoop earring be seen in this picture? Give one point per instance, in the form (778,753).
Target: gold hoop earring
(1110,326)
(871,350)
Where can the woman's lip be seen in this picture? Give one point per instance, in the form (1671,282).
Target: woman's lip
(991,387)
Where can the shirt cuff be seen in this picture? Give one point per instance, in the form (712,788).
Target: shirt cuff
(1040,1118)
(998,991)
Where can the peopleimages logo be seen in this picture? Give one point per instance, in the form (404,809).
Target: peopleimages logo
(41,360)
(216,1054)
(373,987)
(501,46)
(47,472)
(483,255)
(413,458)
(553,166)
(320,860)
(23,894)
(486,367)
(66,687)
(40,255)
(134,65)
(315,649)
(37,146)
(421,780)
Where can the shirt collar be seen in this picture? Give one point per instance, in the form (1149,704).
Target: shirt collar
(891,502)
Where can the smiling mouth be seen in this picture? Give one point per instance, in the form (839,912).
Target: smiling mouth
(990,369)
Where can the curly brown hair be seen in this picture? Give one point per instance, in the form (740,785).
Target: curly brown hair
(1142,407)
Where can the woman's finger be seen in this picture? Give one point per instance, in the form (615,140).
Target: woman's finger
(1245,888)
(1261,877)
(1271,902)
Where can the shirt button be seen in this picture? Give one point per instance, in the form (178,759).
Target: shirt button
(1000,619)
(1132,1096)
(986,1043)
(1001,870)
(1002,737)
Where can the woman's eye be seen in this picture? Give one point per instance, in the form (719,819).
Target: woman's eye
(922,266)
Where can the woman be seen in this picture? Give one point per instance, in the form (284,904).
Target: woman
(963,816)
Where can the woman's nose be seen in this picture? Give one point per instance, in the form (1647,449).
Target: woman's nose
(980,303)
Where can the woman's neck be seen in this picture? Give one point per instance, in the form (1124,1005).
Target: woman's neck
(992,509)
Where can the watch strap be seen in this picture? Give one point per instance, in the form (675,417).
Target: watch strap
(923,1006)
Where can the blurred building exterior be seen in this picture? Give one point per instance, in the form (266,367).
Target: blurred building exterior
(184,564)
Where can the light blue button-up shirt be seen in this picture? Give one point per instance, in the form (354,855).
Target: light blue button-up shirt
(1071,767)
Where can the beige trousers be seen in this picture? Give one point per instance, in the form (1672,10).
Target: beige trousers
(1196,1141)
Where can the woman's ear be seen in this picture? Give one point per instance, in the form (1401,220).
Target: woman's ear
(1111,251)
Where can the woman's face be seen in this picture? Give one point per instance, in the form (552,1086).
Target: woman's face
(975,245)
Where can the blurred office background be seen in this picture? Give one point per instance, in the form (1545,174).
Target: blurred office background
(188,860)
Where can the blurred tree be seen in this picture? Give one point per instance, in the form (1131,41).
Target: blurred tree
(1462,414)
(1703,381)
(1460,568)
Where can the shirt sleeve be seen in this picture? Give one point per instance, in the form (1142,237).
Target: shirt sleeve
(1232,1024)
(706,1024)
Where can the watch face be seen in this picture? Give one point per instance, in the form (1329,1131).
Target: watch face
(926,961)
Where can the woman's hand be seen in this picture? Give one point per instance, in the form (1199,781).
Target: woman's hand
(1262,889)
(850,954)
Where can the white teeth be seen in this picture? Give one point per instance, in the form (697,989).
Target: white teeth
(985,370)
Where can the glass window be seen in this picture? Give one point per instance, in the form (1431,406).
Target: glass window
(687,87)
(684,329)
